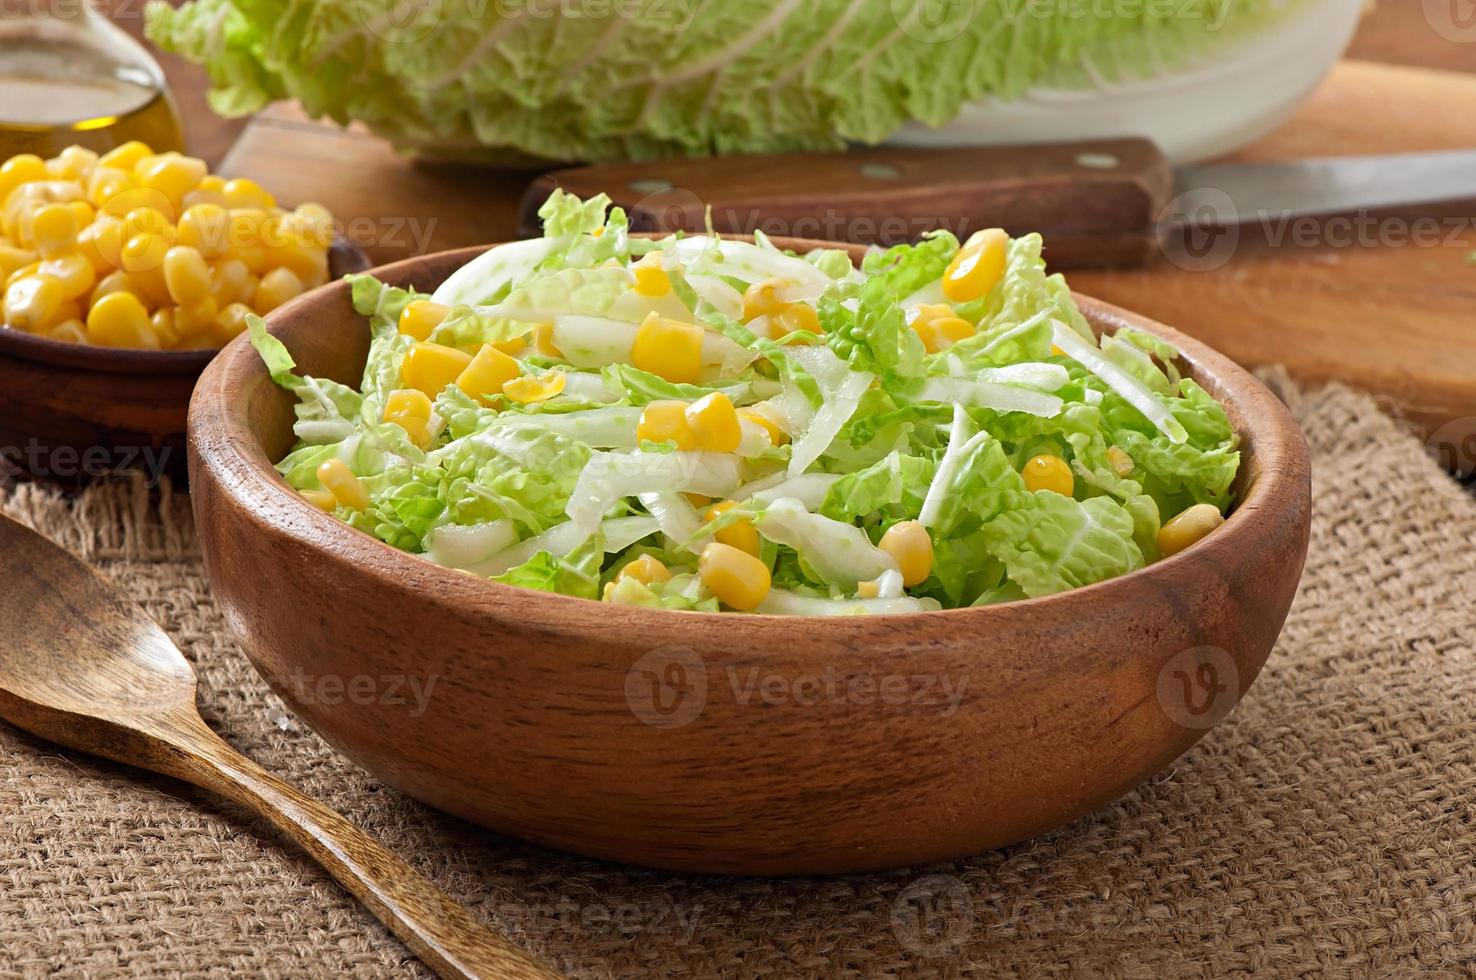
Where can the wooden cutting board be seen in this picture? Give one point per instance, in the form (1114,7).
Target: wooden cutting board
(1388,305)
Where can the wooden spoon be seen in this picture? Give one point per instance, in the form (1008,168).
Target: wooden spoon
(82,666)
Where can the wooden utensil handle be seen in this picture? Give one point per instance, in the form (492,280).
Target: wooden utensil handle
(1097,203)
(440,931)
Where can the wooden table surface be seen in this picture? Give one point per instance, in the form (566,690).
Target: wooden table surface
(1391,316)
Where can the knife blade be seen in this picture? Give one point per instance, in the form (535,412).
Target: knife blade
(1103,203)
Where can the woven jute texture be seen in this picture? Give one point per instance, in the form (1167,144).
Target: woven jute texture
(1325,828)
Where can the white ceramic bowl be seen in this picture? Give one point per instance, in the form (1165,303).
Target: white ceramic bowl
(1202,112)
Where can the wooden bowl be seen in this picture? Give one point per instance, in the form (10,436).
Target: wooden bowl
(71,412)
(728,742)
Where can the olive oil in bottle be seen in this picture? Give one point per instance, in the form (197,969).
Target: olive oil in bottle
(67,76)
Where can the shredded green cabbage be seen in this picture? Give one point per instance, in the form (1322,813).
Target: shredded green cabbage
(654,78)
(842,434)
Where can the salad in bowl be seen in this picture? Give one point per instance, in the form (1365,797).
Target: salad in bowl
(699,423)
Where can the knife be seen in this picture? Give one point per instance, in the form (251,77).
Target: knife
(1103,203)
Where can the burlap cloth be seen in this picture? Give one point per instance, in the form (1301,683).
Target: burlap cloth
(1326,827)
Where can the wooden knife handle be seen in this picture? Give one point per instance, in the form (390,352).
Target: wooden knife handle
(1096,203)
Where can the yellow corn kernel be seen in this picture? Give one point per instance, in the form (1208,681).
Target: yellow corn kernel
(243,193)
(795,316)
(230,322)
(1122,463)
(152,288)
(186,275)
(31,301)
(1188,527)
(275,288)
(76,161)
(543,340)
(978,266)
(666,422)
(120,320)
(411,411)
(54,229)
(206,229)
(21,273)
(230,282)
(420,317)
(125,157)
(312,224)
(162,323)
(144,252)
(213,183)
(650,279)
(113,282)
(868,590)
(528,389)
(777,436)
(309,262)
(1048,472)
(431,367)
(698,499)
(340,481)
(943,332)
(83,212)
(102,243)
(741,535)
(487,372)
(762,299)
(72,331)
(714,423)
(149,221)
(321,499)
(173,175)
(197,320)
(646,569)
(106,183)
(246,238)
(668,349)
(12,258)
(20,169)
(911,548)
(73,271)
(738,579)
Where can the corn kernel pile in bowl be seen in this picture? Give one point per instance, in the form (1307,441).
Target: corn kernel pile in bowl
(147,251)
